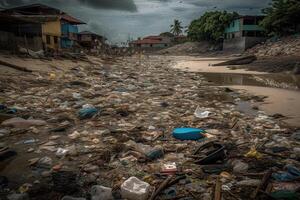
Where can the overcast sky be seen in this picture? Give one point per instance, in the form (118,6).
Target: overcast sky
(120,19)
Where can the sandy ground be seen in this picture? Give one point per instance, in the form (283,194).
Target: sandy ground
(204,65)
(39,65)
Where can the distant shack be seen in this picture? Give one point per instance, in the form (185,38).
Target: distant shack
(151,42)
(92,41)
(50,28)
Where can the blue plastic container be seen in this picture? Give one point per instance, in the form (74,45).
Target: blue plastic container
(86,113)
(188,133)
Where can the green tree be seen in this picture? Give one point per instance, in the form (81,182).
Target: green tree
(282,17)
(176,28)
(210,26)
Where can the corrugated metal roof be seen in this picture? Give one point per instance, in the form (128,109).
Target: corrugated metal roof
(71,19)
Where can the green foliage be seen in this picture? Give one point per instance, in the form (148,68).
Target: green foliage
(210,26)
(176,28)
(282,17)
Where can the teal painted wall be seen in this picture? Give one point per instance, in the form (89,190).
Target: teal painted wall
(233,27)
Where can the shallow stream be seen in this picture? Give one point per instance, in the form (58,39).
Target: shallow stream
(281,89)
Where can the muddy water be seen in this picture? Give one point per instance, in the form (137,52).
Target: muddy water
(282,89)
(283,101)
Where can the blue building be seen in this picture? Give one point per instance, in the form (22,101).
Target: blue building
(69,32)
(242,33)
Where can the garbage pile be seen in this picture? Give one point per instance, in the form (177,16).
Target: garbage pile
(277,47)
(139,130)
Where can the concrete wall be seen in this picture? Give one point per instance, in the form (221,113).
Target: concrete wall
(240,44)
(234,45)
(252,41)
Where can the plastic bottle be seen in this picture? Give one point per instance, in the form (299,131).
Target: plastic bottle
(99,192)
(133,189)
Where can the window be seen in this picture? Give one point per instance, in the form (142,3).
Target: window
(250,33)
(249,21)
(55,39)
(48,39)
(151,45)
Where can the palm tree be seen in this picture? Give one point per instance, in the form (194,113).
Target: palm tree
(176,28)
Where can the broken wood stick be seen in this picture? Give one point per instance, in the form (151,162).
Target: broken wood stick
(263,184)
(237,61)
(14,66)
(218,194)
(162,186)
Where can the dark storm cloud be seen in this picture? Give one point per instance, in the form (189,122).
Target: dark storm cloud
(230,4)
(7,3)
(120,19)
(126,5)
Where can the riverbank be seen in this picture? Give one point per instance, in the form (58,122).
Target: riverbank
(282,90)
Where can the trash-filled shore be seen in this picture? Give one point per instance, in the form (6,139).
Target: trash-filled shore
(138,129)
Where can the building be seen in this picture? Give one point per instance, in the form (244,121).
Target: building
(59,30)
(15,32)
(242,33)
(91,41)
(151,42)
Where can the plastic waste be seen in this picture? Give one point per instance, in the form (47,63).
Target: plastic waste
(291,174)
(188,133)
(151,153)
(23,196)
(86,113)
(296,135)
(7,154)
(155,153)
(2,107)
(52,76)
(169,193)
(3,182)
(212,153)
(290,186)
(30,141)
(287,195)
(133,189)
(201,113)
(169,168)
(72,198)
(44,162)
(18,122)
(249,182)
(74,135)
(25,187)
(76,95)
(99,192)
(61,152)
(239,166)
(253,153)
